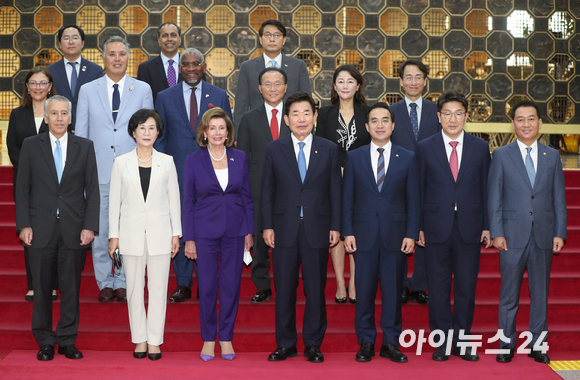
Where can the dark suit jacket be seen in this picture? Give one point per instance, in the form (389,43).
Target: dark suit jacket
(403,135)
(88,72)
(283,192)
(254,134)
(39,194)
(153,73)
(440,192)
(209,211)
(392,213)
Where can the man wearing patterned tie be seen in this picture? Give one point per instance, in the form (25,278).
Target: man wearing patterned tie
(257,128)
(161,72)
(181,108)
(453,167)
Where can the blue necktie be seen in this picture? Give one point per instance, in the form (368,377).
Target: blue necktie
(530,167)
(380,169)
(73,77)
(302,169)
(116,101)
(272,63)
(58,160)
(414,119)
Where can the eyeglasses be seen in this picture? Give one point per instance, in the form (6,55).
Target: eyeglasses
(268,85)
(459,115)
(377,121)
(74,38)
(192,64)
(38,84)
(276,36)
(410,78)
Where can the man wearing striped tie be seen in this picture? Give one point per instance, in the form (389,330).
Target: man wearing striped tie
(380,226)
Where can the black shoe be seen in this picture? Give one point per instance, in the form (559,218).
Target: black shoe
(282,353)
(404,295)
(539,357)
(154,357)
(45,353)
(469,356)
(342,299)
(366,352)
(180,294)
(29,298)
(439,354)
(70,352)
(420,297)
(506,358)
(313,354)
(139,355)
(262,296)
(391,352)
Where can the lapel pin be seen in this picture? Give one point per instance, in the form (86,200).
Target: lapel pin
(157,165)
(210,106)
(130,88)
(544,153)
(231,159)
(285,65)
(396,155)
(84,68)
(207,95)
(315,151)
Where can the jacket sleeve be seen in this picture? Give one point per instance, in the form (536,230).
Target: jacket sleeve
(115,201)
(304,79)
(268,190)
(92,195)
(348,194)
(495,196)
(188,217)
(242,99)
(174,201)
(247,195)
(560,210)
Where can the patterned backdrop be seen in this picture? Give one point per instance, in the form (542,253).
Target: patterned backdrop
(496,51)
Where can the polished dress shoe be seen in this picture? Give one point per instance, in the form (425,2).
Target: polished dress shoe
(404,295)
(313,354)
(180,294)
(282,353)
(70,352)
(439,354)
(120,294)
(339,300)
(539,357)
(29,298)
(420,297)
(469,356)
(155,356)
(366,352)
(262,296)
(45,353)
(139,355)
(506,358)
(392,352)
(106,295)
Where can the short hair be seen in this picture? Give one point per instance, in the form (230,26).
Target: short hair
(413,62)
(192,51)
(142,116)
(525,103)
(214,113)
(267,70)
(57,98)
(358,96)
(62,29)
(26,98)
(275,23)
(379,105)
(452,96)
(168,23)
(298,97)
(115,39)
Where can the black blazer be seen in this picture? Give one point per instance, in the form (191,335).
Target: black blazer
(153,73)
(327,125)
(254,134)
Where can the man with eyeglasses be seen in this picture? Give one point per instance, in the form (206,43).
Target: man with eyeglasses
(181,108)
(453,167)
(257,128)
(72,71)
(272,38)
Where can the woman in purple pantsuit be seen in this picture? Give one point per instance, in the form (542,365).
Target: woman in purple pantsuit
(218,223)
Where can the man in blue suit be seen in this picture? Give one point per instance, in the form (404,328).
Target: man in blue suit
(181,108)
(453,167)
(527,214)
(380,225)
(416,120)
(104,108)
(72,71)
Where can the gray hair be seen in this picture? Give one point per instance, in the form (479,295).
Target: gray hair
(193,52)
(56,98)
(115,39)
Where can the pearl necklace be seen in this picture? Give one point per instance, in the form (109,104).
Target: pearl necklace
(147,160)
(217,159)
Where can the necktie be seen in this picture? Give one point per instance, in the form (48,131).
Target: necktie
(530,167)
(414,119)
(58,160)
(171,78)
(302,169)
(380,169)
(274,125)
(453,161)
(116,101)
(73,77)
(193,110)
(272,63)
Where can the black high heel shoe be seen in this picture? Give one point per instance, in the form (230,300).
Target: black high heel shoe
(342,299)
(139,355)
(351,300)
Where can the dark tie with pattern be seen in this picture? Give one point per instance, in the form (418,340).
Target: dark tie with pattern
(116,101)
(380,169)
(171,77)
(414,119)
(193,113)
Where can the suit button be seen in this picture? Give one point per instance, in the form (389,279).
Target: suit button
(112,147)
(380,198)
(376,214)
(455,187)
(303,190)
(223,193)
(531,213)
(532,197)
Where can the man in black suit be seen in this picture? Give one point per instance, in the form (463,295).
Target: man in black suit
(72,71)
(301,203)
(257,128)
(162,71)
(57,216)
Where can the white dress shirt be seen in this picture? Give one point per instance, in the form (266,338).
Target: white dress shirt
(187,95)
(175,64)
(222,177)
(458,149)
(267,60)
(110,89)
(63,146)
(533,153)
(307,146)
(269,109)
(375,157)
(419,103)
(68,68)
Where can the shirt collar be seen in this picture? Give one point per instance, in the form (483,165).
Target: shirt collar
(166,59)
(307,140)
(447,140)
(278,59)
(269,108)
(523,146)
(66,61)
(419,102)
(386,147)
(63,139)
(110,82)
(187,88)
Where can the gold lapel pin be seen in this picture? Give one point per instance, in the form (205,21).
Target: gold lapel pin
(207,95)
(84,68)
(130,88)
(315,151)
(157,165)
(396,155)
(544,153)
(231,159)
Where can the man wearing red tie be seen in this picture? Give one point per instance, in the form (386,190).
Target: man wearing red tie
(257,128)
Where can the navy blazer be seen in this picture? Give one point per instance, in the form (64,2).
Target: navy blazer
(153,73)
(210,212)
(393,212)
(439,191)
(403,135)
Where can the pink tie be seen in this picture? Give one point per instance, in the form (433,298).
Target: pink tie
(453,162)
(274,125)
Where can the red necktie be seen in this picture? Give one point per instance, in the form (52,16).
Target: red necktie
(274,125)
(453,162)
(193,114)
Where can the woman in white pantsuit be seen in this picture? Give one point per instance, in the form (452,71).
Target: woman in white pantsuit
(145,224)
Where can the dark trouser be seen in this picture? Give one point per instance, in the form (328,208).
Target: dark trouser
(418,282)
(183,267)
(261,256)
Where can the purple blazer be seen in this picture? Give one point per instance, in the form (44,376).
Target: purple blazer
(208,211)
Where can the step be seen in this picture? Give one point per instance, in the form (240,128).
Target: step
(7,212)
(6,194)
(6,174)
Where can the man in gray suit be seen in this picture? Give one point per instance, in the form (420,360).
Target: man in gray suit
(257,128)
(272,37)
(527,214)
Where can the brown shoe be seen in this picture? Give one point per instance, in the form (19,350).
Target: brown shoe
(106,295)
(120,294)
(180,294)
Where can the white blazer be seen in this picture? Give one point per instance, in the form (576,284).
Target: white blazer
(131,218)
